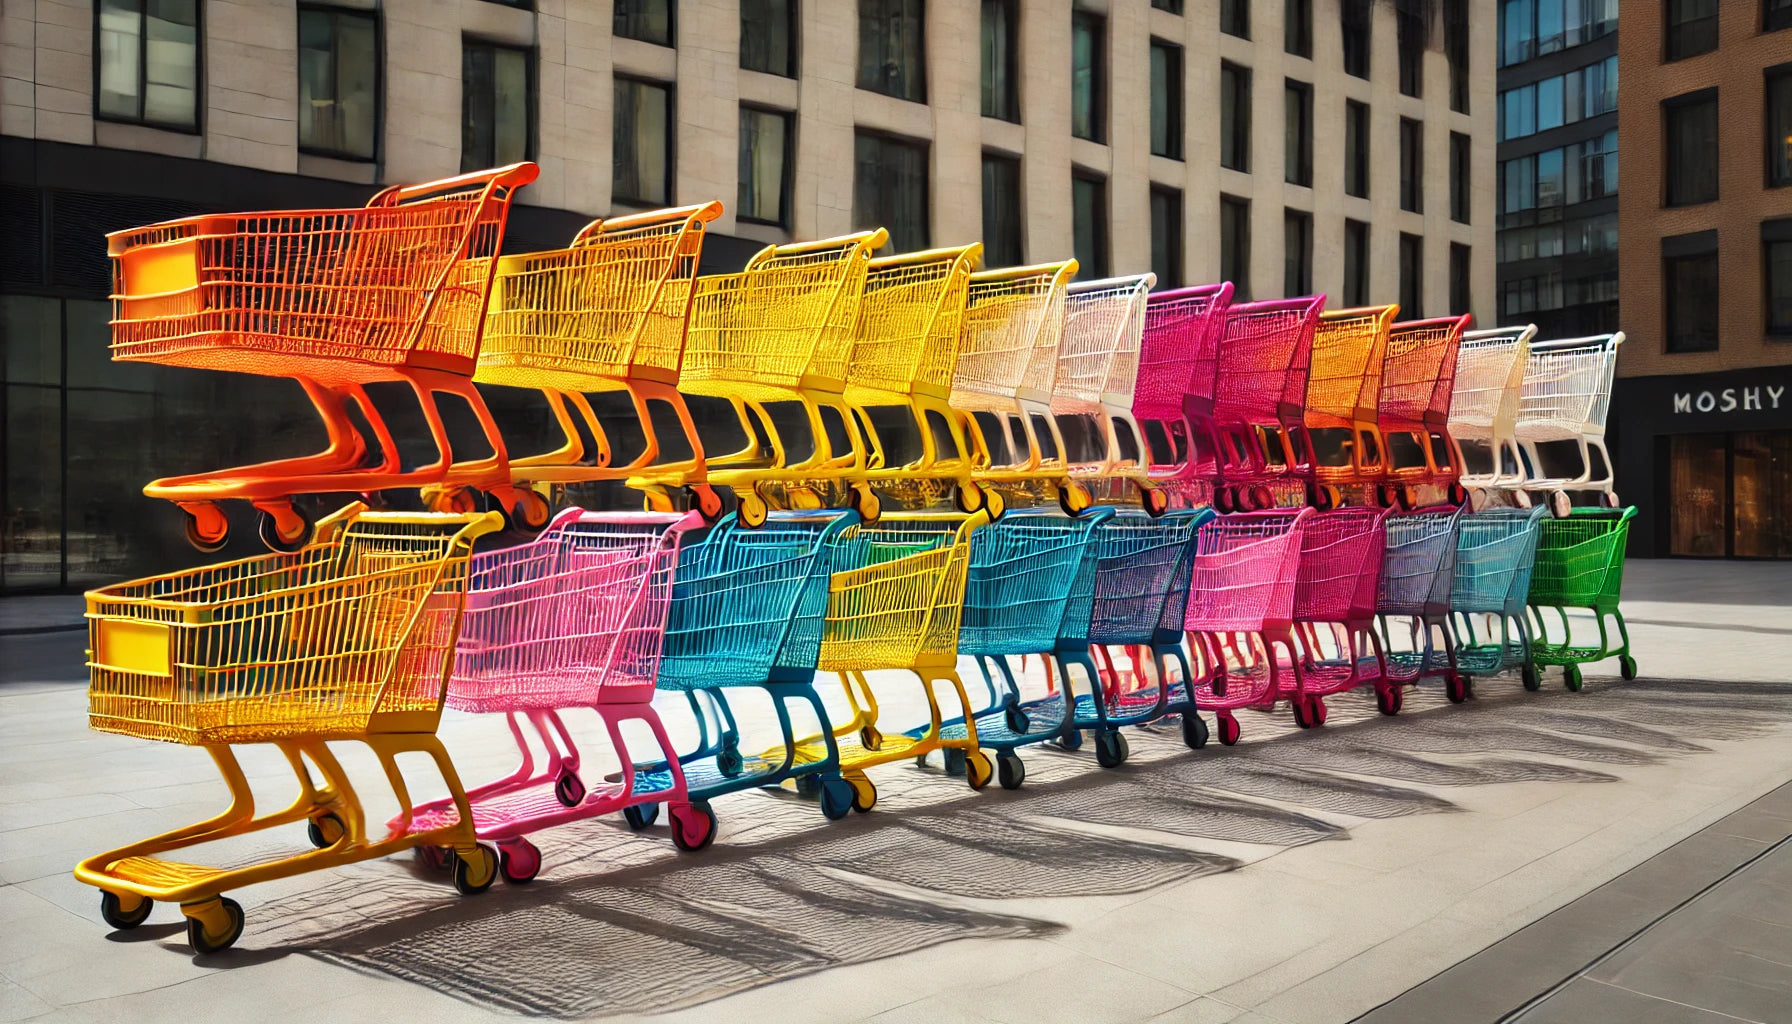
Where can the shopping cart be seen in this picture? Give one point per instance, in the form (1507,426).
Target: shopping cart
(747,612)
(1567,394)
(1580,565)
(782,331)
(1343,394)
(1490,368)
(350,638)
(1259,403)
(1335,588)
(572,620)
(1240,615)
(1174,398)
(1495,550)
(1098,371)
(335,299)
(607,313)
(1416,577)
(1007,359)
(1418,380)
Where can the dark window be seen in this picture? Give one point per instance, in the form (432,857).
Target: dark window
(1235,117)
(1779,126)
(148,60)
(1356,263)
(1689,291)
(1412,165)
(1166,100)
(1001,36)
(1518,31)
(497,105)
(1297,133)
(1775,15)
(1412,277)
(1173,6)
(1089,222)
(1356,149)
(1235,244)
(641,159)
(1457,53)
(767,154)
(1776,269)
(1354,18)
(1532,28)
(1297,27)
(1460,300)
(1460,167)
(650,21)
(1691,28)
(890,189)
(1690,138)
(1001,211)
(1166,236)
(339,82)
(1235,20)
(892,49)
(1088,74)
(1412,36)
(768,31)
(1297,252)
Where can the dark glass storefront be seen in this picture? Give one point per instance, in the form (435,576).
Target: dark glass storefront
(1732,495)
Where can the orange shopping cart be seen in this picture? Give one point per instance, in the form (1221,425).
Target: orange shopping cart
(1343,392)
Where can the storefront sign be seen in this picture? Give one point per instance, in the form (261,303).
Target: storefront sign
(1746,399)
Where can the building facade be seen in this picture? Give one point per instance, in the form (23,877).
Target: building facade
(1340,146)
(1703,410)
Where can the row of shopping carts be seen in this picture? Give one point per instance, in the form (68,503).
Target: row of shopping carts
(1172,503)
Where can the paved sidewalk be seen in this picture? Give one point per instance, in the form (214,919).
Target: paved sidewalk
(48,613)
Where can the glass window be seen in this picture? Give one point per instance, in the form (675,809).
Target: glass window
(1549,103)
(1000,41)
(647,20)
(1001,211)
(148,53)
(1779,127)
(1173,6)
(1355,23)
(1776,261)
(1166,100)
(768,36)
(1549,178)
(1088,74)
(1518,184)
(1549,26)
(1235,18)
(1460,299)
(1461,166)
(1356,148)
(1089,223)
(1775,15)
(1412,277)
(767,155)
(890,189)
(338,82)
(1297,27)
(1689,289)
(1166,236)
(1691,148)
(1235,245)
(641,155)
(1691,28)
(1235,117)
(1356,263)
(892,51)
(1412,165)
(1297,252)
(1761,494)
(497,105)
(1518,31)
(1456,51)
(1297,133)
(1412,38)
(1698,478)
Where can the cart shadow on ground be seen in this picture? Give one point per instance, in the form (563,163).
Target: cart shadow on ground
(618,924)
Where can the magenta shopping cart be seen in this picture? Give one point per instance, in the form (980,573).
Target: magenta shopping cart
(574,619)
(1334,610)
(1416,577)
(1173,401)
(1259,407)
(1241,610)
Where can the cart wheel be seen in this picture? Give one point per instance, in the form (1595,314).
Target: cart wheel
(286,530)
(1222,500)
(706,501)
(113,912)
(1627,667)
(808,785)
(530,512)
(693,827)
(1070,740)
(752,510)
(1017,721)
(1560,504)
(1229,729)
(968,499)
(1456,687)
(325,830)
(641,816)
(1262,497)
(955,759)
(1011,771)
(1302,717)
(1458,494)
(432,858)
(1478,499)
(1320,712)
(998,505)
(655,499)
(471,879)
(1522,499)
(519,861)
(977,769)
(836,799)
(206,526)
(1155,500)
(730,763)
(1610,498)
(1074,498)
(225,933)
(1528,674)
(1571,678)
(1389,701)
(1110,749)
(864,794)
(1194,731)
(569,789)
(870,738)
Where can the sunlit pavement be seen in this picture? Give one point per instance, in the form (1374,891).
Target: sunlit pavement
(1300,876)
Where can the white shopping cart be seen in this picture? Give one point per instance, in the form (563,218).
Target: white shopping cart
(1490,368)
(1566,396)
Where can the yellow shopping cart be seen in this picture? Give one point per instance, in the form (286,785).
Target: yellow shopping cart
(607,313)
(350,638)
(782,331)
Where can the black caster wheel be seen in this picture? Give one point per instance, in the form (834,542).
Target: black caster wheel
(1529,676)
(836,799)
(1627,667)
(325,830)
(693,827)
(1110,749)
(519,862)
(640,816)
(1071,740)
(113,912)
(207,940)
(569,789)
(474,872)
(955,759)
(1011,771)
(978,770)
(864,794)
(730,763)
(1571,678)
(1194,730)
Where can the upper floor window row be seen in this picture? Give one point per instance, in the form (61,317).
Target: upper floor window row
(1532,28)
(1564,99)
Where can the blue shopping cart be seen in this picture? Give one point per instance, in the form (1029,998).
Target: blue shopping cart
(1416,576)
(1495,550)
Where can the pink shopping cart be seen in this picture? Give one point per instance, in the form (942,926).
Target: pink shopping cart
(1259,406)
(574,619)
(1241,610)
(1334,611)
(1173,401)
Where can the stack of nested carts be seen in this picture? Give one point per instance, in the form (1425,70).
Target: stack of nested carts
(1122,507)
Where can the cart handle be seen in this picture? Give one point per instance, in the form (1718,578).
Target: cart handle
(1064,270)
(511,176)
(1131,281)
(871,239)
(972,253)
(702,213)
(1192,292)
(1523,332)
(1614,340)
